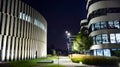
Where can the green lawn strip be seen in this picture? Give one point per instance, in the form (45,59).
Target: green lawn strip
(50,65)
(31,63)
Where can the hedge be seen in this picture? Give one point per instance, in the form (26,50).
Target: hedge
(94,60)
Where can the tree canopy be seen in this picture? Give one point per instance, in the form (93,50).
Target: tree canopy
(82,41)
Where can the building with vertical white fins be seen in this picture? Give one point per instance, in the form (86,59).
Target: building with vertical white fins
(104,26)
(23,31)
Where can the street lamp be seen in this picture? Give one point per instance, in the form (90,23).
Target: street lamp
(68,43)
(68,34)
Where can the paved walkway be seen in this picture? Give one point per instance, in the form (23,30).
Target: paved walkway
(64,60)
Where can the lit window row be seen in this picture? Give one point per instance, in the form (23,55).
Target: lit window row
(25,17)
(105,25)
(101,52)
(106,38)
(38,23)
(106,52)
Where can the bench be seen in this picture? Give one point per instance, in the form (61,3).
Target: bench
(45,61)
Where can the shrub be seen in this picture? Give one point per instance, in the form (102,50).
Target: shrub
(94,60)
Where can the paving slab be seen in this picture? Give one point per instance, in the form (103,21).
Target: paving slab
(65,60)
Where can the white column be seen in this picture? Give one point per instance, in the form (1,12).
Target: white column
(28,49)
(12,51)
(8,49)
(0,41)
(20,42)
(16,49)
(23,48)
(4,48)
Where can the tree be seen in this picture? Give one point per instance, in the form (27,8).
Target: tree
(82,41)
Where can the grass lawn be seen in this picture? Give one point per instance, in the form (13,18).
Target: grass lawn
(31,63)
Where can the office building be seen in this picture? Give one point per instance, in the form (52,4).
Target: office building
(104,26)
(23,31)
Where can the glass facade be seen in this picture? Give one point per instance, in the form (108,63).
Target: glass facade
(106,38)
(105,25)
(102,52)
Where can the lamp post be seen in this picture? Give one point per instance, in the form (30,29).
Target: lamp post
(68,43)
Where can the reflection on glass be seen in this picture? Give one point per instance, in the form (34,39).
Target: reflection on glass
(112,38)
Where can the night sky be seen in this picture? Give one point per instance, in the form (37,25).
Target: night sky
(61,15)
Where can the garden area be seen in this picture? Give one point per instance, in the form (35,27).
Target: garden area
(41,62)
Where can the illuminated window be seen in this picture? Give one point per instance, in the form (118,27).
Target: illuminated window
(107,52)
(110,25)
(97,26)
(118,38)
(112,38)
(116,23)
(98,39)
(39,24)
(23,16)
(99,52)
(105,38)
(28,19)
(20,16)
(103,25)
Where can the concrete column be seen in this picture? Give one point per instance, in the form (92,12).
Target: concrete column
(7,25)
(12,51)
(0,41)
(3,24)
(20,43)
(8,48)
(4,48)
(16,49)
(11,26)
(23,48)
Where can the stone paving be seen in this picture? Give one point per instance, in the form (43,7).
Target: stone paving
(64,60)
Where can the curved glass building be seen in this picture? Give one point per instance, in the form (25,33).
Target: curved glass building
(104,26)
(23,31)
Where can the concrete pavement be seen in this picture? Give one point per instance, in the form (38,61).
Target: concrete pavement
(64,60)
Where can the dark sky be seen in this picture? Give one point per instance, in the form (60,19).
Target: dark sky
(61,15)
